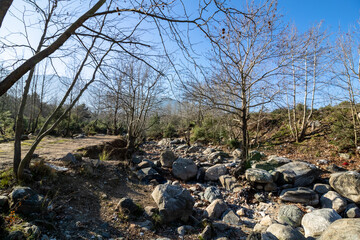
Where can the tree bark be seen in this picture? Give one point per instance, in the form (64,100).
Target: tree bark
(4,7)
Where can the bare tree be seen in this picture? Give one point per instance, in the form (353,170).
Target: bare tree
(136,88)
(308,52)
(346,70)
(246,57)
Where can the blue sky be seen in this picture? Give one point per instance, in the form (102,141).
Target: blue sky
(335,13)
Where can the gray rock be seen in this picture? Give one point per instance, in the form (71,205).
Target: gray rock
(193,149)
(213,156)
(213,173)
(167,158)
(31,202)
(146,164)
(284,232)
(300,195)
(145,175)
(208,151)
(174,202)
(212,193)
(185,229)
(184,169)
(136,160)
(182,147)
(269,187)
(335,169)
(69,159)
(299,174)
(260,197)
(333,200)
(237,153)
(230,217)
(230,183)
(322,162)
(352,211)
(317,221)
(347,184)
(291,215)
(150,210)
(342,229)
(256,175)
(321,188)
(164,142)
(216,209)
(32,231)
(177,141)
(272,163)
(145,225)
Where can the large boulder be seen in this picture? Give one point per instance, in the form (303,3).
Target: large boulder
(342,229)
(31,202)
(333,200)
(184,169)
(291,215)
(173,201)
(213,173)
(300,195)
(317,221)
(347,184)
(167,158)
(256,175)
(299,174)
(284,232)
(272,163)
(216,209)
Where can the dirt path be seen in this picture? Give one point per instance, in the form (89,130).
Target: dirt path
(50,147)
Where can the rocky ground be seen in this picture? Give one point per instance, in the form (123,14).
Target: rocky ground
(172,191)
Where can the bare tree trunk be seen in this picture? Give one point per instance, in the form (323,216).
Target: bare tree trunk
(19,124)
(4,7)
(294,121)
(304,119)
(43,132)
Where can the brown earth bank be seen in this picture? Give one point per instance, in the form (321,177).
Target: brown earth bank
(50,147)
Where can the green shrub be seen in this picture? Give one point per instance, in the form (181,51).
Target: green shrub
(234,143)
(169,131)
(6,178)
(155,129)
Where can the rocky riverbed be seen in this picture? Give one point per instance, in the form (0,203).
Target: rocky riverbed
(201,192)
